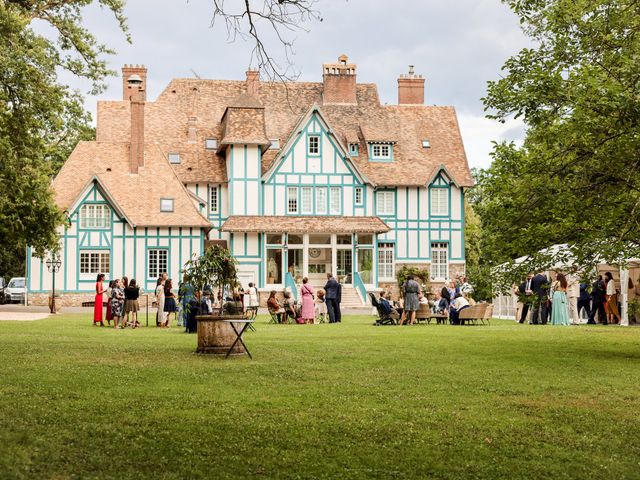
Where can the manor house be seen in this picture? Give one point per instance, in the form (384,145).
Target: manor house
(296,178)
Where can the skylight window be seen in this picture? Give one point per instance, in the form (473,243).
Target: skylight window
(426,144)
(275,144)
(166,204)
(174,158)
(211,143)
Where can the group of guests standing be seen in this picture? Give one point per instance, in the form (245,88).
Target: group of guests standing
(566,297)
(122,302)
(166,300)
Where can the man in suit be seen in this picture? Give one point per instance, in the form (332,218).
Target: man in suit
(584,301)
(331,298)
(338,312)
(540,288)
(598,290)
(526,295)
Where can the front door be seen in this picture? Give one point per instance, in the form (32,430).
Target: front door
(345,266)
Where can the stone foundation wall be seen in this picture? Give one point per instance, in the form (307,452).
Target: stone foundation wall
(76,299)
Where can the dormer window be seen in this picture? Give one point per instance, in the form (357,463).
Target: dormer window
(166,204)
(275,144)
(353,149)
(381,151)
(174,158)
(211,143)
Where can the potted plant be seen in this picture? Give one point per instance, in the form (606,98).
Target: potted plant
(214,269)
(634,310)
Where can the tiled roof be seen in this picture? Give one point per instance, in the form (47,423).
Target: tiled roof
(304,224)
(137,195)
(284,104)
(244,125)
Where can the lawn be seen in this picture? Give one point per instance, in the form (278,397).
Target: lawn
(325,401)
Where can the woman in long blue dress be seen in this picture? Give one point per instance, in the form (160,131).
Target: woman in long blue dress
(559,303)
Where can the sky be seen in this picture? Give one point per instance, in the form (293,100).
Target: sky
(456,45)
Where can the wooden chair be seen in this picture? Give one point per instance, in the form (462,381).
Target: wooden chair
(471,315)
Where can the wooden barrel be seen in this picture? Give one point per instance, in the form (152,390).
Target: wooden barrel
(215,336)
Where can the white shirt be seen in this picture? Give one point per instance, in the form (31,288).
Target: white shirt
(460,302)
(611,287)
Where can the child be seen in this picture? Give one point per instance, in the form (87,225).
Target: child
(320,307)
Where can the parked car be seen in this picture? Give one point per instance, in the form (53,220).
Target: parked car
(16,290)
(2,287)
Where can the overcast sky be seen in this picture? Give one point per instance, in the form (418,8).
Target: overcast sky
(457,45)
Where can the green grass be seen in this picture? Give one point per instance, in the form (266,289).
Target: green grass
(325,401)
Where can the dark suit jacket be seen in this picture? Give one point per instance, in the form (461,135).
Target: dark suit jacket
(339,295)
(331,289)
(598,290)
(540,286)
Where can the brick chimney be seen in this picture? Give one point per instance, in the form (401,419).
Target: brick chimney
(134,90)
(253,82)
(339,82)
(129,89)
(410,88)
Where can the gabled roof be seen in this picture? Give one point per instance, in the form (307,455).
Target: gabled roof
(297,131)
(105,193)
(284,104)
(135,196)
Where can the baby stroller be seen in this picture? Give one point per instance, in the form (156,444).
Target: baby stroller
(383,317)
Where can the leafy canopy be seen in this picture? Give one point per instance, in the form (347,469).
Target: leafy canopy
(576,178)
(41,120)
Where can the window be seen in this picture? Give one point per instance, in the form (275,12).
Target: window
(95,216)
(365,239)
(292,200)
(439,260)
(94,262)
(174,158)
(426,144)
(275,144)
(319,239)
(213,200)
(211,143)
(385,260)
(321,201)
(274,238)
(166,204)
(307,200)
(334,200)
(385,204)
(358,195)
(353,149)
(439,201)
(380,151)
(158,262)
(313,145)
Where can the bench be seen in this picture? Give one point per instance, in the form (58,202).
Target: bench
(424,313)
(477,313)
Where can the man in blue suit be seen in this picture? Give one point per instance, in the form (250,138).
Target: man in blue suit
(540,288)
(332,288)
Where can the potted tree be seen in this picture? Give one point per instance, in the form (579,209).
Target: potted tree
(214,269)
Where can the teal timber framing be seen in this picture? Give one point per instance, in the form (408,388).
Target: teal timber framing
(296,168)
(127,247)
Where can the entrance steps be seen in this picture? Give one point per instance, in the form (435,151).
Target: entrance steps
(350,299)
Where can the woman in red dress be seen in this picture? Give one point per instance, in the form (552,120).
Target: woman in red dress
(97,308)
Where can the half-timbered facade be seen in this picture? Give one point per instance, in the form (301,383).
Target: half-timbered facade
(297,179)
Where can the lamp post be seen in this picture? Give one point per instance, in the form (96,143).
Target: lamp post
(53,265)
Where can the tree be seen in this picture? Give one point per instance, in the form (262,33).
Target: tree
(576,178)
(280,17)
(41,120)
